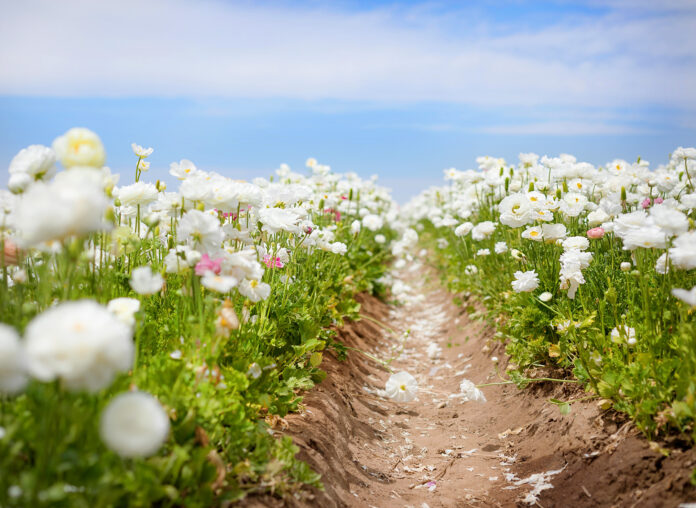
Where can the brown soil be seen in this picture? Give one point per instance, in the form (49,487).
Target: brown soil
(439,451)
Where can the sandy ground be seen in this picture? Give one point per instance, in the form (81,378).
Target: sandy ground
(437,451)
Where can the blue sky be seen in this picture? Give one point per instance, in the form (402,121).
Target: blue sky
(401,89)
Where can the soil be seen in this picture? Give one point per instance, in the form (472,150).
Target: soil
(516,449)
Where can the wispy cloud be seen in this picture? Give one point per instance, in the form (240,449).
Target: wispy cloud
(622,56)
(566,128)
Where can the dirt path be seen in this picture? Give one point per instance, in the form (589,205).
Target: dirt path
(439,451)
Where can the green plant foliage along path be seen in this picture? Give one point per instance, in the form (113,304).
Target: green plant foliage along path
(153,337)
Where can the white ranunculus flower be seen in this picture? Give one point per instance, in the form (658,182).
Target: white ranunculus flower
(372,222)
(35,161)
(483,230)
(201,229)
(525,282)
(145,282)
(278,219)
(682,254)
(79,147)
(576,242)
(140,151)
(355,227)
(134,424)
(500,247)
(219,283)
(13,364)
(139,193)
(469,392)
(182,169)
(254,290)
(19,182)
(380,239)
(515,210)
(401,387)
(339,248)
(463,229)
(686,296)
(124,309)
(64,207)
(545,296)
(81,343)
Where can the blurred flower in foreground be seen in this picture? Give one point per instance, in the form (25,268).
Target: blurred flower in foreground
(134,424)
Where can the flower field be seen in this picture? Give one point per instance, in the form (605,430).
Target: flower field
(154,339)
(591,268)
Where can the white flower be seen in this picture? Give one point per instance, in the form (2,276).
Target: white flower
(35,161)
(182,169)
(483,230)
(597,217)
(463,229)
(624,333)
(140,151)
(254,290)
(134,424)
(145,282)
(625,266)
(686,296)
(672,221)
(483,252)
(355,227)
(683,252)
(339,248)
(500,247)
(79,147)
(401,387)
(372,222)
(380,239)
(662,265)
(515,210)
(19,182)
(534,233)
(81,343)
(219,283)
(553,232)
(525,281)
(470,270)
(277,219)
(139,193)
(124,309)
(64,207)
(201,229)
(180,258)
(13,364)
(576,242)
(469,392)
(545,296)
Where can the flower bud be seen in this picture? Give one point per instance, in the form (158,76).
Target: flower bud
(625,266)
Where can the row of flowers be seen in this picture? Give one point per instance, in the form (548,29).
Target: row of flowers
(592,267)
(153,339)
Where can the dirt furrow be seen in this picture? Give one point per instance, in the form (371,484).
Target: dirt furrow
(515,449)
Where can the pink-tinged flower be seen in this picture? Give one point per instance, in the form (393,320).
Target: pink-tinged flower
(344,198)
(308,230)
(595,233)
(658,201)
(335,212)
(208,265)
(645,203)
(272,262)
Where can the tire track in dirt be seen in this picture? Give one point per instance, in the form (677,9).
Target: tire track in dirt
(439,452)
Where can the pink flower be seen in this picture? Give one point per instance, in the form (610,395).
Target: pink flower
(335,212)
(645,203)
(208,265)
(658,201)
(272,262)
(595,233)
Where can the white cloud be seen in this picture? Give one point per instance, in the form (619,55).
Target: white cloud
(219,49)
(565,128)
